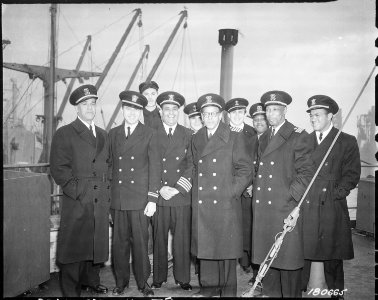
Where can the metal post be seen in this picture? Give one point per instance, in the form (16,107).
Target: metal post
(48,128)
(228,38)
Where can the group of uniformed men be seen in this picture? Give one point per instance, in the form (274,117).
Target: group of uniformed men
(222,191)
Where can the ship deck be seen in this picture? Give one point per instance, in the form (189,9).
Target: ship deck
(359,278)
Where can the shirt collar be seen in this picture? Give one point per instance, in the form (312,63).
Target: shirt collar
(86,124)
(278,127)
(213,130)
(132,127)
(325,133)
(166,127)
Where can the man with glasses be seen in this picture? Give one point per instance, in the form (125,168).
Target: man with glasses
(220,172)
(326,223)
(236,109)
(285,170)
(136,171)
(173,208)
(79,164)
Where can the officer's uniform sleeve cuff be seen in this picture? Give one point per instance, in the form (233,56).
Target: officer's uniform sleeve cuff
(183,185)
(153,197)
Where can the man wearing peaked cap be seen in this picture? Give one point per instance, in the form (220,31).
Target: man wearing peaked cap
(194,115)
(236,109)
(322,101)
(220,171)
(151,116)
(210,100)
(284,172)
(133,99)
(326,223)
(78,163)
(170,97)
(173,208)
(135,167)
(260,124)
(258,115)
(276,97)
(83,93)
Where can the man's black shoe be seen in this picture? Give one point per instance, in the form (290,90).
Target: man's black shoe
(119,290)
(184,286)
(146,291)
(247,269)
(99,289)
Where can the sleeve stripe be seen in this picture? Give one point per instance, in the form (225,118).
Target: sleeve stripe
(153,194)
(185,183)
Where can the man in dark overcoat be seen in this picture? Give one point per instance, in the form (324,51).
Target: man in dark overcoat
(326,222)
(260,125)
(173,208)
(221,170)
(78,163)
(284,172)
(236,109)
(136,171)
(151,114)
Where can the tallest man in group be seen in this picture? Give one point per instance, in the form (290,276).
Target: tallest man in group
(79,164)
(284,172)
(221,170)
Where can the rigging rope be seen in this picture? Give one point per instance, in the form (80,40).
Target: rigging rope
(180,59)
(193,68)
(19,101)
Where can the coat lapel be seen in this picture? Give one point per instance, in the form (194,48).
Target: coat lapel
(220,137)
(133,138)
(163,139)
(83,132)
(279,138)
(320,150)
(100,141)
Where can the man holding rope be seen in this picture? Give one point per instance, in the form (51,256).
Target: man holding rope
(285,170)
(327,233)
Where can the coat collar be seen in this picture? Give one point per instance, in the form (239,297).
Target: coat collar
(83,132)
(322,148)
(125,144)
(220,137)
(279,138)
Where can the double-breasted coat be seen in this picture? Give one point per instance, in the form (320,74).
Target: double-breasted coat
(221,170)
(79,164)
(152,119)
(285,170)
(250,139)
(326,223)
(175,159)
(135,165)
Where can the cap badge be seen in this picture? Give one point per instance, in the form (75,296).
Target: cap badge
(208,99)
(313,102)
(259,108)
(86,91)
(194,107)
(272,97)
(134,98)
(171,97)
(236,102)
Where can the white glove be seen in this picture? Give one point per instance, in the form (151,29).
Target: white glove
(150,209)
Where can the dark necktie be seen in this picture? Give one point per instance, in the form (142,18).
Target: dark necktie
(91,131)
(272,133)
(128,132)
(320,136)
(170,133)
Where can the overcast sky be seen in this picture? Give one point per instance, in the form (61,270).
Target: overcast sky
(301,48)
